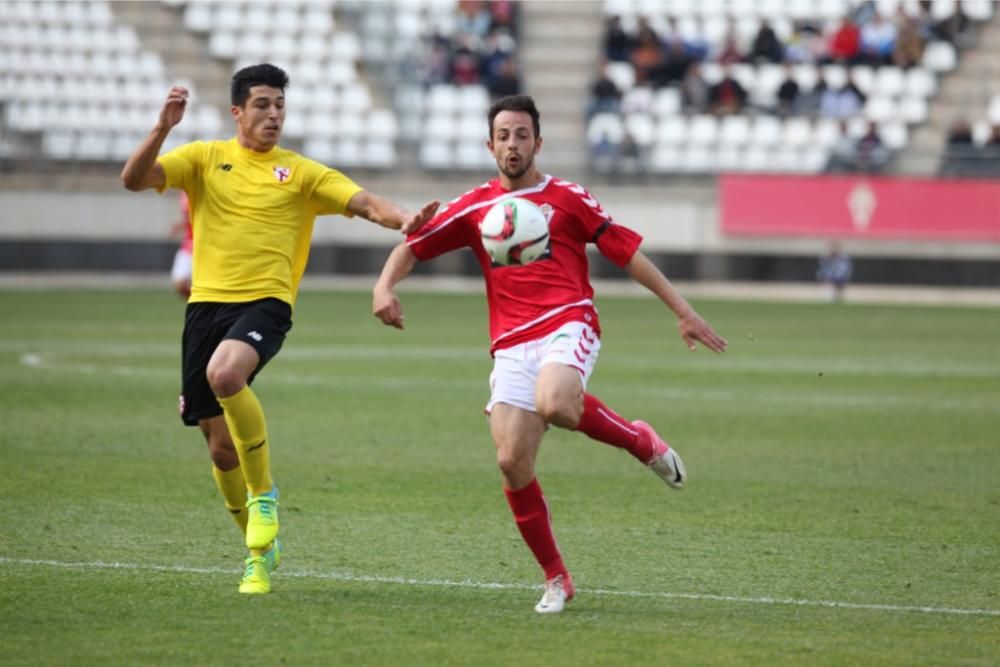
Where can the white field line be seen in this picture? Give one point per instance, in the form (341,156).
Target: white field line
(865,401)
(485,585)
(669,362)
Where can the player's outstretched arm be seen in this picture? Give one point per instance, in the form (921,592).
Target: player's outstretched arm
(141,170)
(387,213)
(691,325)
(385,303)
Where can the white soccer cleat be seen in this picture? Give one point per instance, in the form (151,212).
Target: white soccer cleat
(665,461)
(558,591)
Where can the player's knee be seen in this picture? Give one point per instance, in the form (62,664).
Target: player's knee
(512,465)
(558,410)
(224,379)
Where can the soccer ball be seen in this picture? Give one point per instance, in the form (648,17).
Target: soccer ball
(515,231)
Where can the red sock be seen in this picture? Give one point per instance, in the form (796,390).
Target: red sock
(605,425)
(532,516)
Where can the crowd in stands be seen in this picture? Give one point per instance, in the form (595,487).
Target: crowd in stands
(669,57)
(963,157)
(480,50)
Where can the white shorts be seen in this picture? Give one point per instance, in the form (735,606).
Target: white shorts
(181,269)
(515,369)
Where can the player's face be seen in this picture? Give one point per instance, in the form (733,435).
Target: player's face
(514,143)
(260,118)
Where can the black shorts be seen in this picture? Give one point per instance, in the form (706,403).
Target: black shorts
(261,324)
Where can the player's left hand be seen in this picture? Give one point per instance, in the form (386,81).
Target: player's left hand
(418,220)
(694,328)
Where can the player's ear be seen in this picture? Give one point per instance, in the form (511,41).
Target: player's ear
(538,144)
(235,111)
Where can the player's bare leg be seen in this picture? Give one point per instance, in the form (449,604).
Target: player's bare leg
(561,401)
(517,434)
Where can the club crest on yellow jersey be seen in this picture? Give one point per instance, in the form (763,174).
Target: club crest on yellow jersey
(282,173)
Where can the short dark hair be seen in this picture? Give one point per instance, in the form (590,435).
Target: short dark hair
(516,103)
(256,75)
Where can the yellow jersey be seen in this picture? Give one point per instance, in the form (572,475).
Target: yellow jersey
(252,214)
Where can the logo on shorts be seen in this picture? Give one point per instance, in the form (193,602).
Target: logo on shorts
(256,336)
(282,173)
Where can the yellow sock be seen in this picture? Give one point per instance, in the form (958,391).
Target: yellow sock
(234,493)
(245,420)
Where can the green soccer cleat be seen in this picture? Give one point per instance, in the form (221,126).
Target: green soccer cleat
(262,519)
(256,578)
(272,557)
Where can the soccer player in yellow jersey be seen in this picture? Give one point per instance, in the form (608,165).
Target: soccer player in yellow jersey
(253,205)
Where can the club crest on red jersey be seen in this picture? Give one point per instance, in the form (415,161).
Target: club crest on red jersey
(282,173)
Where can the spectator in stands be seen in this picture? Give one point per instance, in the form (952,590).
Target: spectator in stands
(878,40)
(647,56)
(674,65)
(955,28)
(731,52)
(499,47)
(437,62)
(503,16)
(990,155)
(835,269)
(605,95)
(617,43)
(694,90)
(961,156)
(811,101)
(766,46)
(843,102)
(464,61)
(872,153)
(844,152)
(909,48)
(788,94)
(727,96)
(507,81)
(845,44)
(473,19)
(806,45)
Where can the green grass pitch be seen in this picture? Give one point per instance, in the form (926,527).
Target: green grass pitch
(843,505)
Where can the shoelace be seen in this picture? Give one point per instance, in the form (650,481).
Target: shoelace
(250,563)
(265,505)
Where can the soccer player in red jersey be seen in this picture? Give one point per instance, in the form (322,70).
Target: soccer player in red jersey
(180,272)
(544,327)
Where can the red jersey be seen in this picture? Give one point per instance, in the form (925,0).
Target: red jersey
(529,302)
(187,243)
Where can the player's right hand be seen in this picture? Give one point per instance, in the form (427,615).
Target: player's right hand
(386,307)
(173,109)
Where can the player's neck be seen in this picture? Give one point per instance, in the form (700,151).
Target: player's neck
(248,142)
(530,179)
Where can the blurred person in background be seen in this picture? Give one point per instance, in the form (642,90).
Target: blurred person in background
(909,48)
(878,40)
(605,96)
(728,96)
(544,328)
(788,93)
(180,272)
(766,46)
(253,208)
(835,269)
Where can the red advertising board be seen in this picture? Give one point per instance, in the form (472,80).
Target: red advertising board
(860,207)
